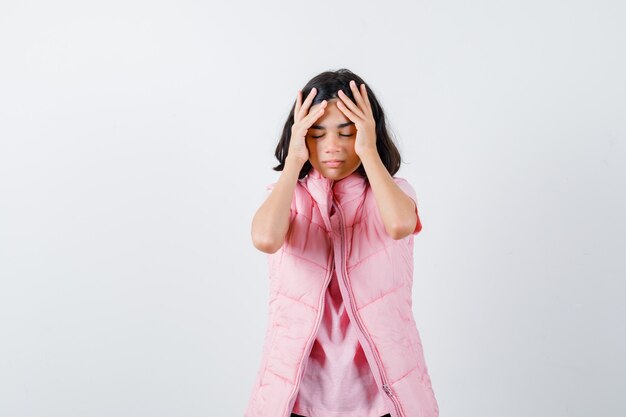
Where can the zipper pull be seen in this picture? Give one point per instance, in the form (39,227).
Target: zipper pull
(387,390)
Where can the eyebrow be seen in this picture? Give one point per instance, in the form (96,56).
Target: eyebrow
(320,127)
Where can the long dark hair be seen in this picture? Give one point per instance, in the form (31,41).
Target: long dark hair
(327,84)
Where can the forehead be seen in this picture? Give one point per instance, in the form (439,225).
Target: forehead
(332,115)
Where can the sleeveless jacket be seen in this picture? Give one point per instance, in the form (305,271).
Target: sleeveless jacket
(375,275)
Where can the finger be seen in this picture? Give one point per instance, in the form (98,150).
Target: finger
(308,121)
(305,106)
(315,114)
(349,104)
(349,114)
(368,106)
(357,96)
(298,103)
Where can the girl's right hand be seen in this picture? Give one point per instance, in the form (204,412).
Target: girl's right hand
(303,120)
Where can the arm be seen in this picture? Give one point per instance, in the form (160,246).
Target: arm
(271,221)
(398,211)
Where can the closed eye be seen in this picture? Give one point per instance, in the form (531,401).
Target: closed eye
(346,136)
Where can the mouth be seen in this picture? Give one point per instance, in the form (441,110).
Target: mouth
(332,163)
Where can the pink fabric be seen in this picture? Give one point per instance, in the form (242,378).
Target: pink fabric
(376,270)
(338,380)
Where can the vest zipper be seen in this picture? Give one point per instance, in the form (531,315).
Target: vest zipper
(309,345)
(383,377)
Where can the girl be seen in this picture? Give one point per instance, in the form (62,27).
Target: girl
(338,228)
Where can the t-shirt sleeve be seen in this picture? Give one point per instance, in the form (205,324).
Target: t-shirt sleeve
(410,191)
(292,210)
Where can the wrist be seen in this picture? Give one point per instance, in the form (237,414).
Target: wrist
(369,155)
(292,163)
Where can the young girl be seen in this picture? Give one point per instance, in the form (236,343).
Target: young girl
(338,227)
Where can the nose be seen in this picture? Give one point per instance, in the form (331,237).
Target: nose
(332,143)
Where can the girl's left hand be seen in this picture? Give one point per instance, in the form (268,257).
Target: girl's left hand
(362,116)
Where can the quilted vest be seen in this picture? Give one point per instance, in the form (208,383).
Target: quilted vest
(375,275)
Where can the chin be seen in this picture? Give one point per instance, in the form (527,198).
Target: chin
(335,175)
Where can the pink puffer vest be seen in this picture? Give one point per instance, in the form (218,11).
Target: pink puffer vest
(375,275)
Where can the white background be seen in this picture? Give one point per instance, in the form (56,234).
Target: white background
(136,140)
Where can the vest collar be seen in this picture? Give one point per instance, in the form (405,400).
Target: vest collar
(324,190)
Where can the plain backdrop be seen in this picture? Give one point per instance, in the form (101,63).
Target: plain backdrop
(137,138)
